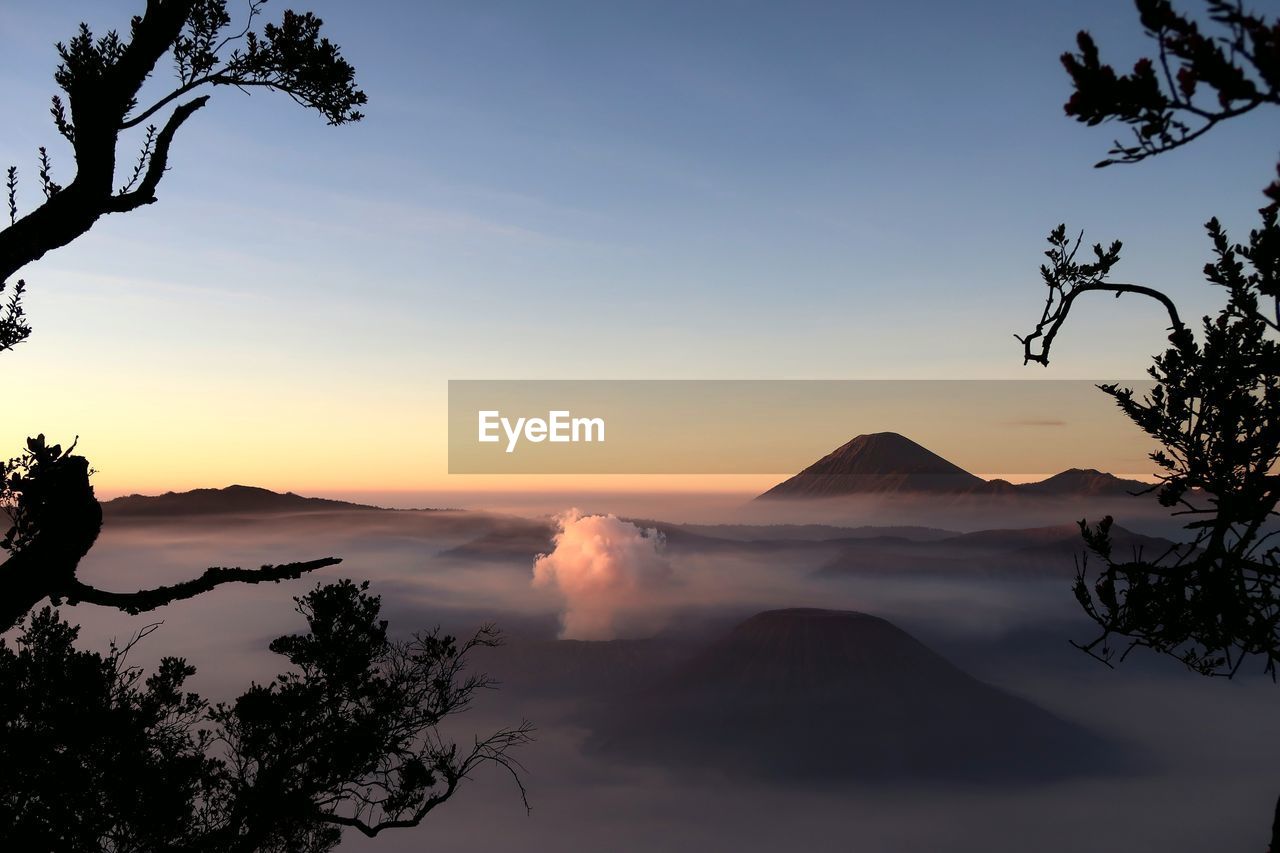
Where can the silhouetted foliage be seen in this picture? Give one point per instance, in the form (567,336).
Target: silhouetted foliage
(1213,602)
(1195,81)
(98,757)
(93,756)
(55,521)
(101,80)
(13,322)
(1215,599)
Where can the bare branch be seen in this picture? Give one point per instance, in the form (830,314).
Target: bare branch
(164,102)
(493,749)
(149,599)
(1055,315)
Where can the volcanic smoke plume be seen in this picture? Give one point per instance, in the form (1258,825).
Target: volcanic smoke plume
(607,570)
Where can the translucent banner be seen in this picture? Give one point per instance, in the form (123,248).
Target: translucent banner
(990,427)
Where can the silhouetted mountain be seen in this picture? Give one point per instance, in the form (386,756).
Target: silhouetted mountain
(1084,481)
(232,499)
(878,463)
(889,463)
(839,695)
(805,532)
(1046,537)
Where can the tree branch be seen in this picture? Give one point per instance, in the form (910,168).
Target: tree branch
(101,79)
(146,191)
(1138,154)
(149,599)
(153,35)
(163,102)
(494,749)
(1054,317)
(372,830)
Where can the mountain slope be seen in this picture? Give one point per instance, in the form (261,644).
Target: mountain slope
(882,462)
(1083,481)
(824,694)
(887,463)
(1023,552)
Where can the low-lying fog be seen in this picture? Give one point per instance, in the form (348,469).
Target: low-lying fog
(1000,608)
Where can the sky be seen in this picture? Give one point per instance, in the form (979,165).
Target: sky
(578,190)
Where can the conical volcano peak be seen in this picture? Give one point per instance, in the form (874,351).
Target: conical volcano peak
(885,453)
(811,647)
(878,462)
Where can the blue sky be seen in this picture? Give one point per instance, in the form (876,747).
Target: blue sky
(598,190)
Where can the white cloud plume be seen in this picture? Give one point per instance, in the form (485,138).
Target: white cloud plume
(607,570)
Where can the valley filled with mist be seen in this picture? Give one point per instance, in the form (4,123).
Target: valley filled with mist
(904,679)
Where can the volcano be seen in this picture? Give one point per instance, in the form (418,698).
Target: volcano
(1085,481)
(881,462)
(829,695)
(887,463)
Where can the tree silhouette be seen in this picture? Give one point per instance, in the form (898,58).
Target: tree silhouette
(1212,602)
(101,80)
(1215,600)
(93,755)
(55,521)
(97,757)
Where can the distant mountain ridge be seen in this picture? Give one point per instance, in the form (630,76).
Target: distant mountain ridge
(1084,481)
(229,500)
(889,463)
(1015,552)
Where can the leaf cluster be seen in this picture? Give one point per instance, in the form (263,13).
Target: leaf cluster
(33,488)
(1203,73)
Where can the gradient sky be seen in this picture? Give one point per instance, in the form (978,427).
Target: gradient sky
(589,190)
